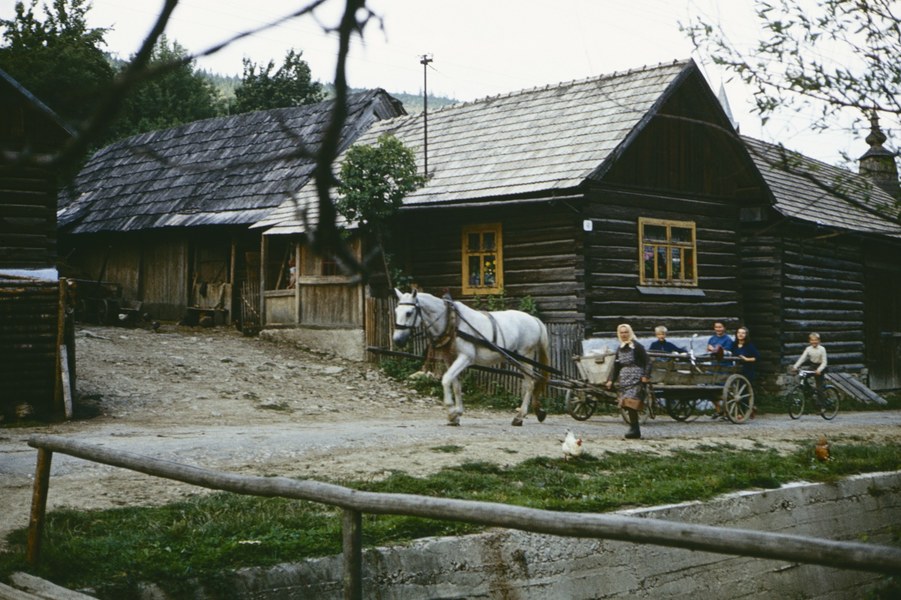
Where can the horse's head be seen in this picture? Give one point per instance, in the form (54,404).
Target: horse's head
(406,316)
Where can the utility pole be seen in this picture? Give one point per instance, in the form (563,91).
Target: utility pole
(425,59)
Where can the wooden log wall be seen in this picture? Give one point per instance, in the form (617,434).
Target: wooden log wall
(541,255)
(612,269)
(27,218)
(823,291)
(29,348)
(761,290)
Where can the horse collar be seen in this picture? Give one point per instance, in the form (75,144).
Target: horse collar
(449,334)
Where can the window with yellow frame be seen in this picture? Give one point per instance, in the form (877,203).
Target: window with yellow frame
(667,252)
(482,259)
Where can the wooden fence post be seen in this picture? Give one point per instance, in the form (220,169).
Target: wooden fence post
(38,506)
(352,540)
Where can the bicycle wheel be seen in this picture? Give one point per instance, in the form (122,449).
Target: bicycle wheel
(829,403)
(794,399)
(578,406)
(679,408)
(738,398)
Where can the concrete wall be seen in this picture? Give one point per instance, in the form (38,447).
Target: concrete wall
(346,343)
(506,564)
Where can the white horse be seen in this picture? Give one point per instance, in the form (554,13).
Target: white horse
(465,336)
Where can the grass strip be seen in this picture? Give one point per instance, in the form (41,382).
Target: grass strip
(203,538)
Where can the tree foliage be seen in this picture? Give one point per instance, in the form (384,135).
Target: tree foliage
(373,183)
(290,85)
(58,58)
(792,66)
(179,94)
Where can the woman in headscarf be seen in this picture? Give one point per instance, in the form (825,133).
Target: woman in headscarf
(631,370)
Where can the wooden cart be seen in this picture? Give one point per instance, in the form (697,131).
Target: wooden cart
(679,382)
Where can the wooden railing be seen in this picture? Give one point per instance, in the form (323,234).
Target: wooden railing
(740,542)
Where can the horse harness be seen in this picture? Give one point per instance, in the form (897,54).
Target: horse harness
(447,337)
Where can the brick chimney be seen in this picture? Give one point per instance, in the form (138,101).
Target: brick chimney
(878,164)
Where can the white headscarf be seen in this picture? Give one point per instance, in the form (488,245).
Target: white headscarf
(631,340)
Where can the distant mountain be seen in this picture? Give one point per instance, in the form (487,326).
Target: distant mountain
(413,102)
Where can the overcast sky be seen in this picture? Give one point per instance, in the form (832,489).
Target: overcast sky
(479,47)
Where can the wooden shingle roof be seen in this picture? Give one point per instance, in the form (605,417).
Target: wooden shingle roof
(222,171)
(816,192)
(538,141)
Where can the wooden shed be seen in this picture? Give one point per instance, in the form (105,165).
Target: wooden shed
(825,257)
(165,215)
(608,200)
(37,352)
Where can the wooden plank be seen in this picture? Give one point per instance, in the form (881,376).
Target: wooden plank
(10,593)
(352,542)
(855,388)
(47,590)
(65,379)
(38,506)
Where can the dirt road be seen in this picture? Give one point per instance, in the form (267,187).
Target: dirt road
(216,399)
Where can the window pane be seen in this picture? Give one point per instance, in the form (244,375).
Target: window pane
(648,262)
(689,256)
(681,235)
(489,270)
(473,242)
(488,241)
(661,263)
(654,233)
(475,274)
(677,264)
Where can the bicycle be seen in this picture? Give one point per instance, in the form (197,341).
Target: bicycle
(804,392)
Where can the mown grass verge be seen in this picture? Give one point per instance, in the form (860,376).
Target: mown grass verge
(202,538)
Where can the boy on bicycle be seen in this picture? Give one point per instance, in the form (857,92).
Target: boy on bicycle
(814,359)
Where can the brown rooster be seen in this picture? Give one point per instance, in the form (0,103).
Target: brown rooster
(822,449)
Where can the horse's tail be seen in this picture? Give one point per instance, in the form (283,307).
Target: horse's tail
(544,358)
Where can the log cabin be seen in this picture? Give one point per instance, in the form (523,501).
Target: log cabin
(628,197)
(164,216)
(612,199)
(37,346)
(826,257)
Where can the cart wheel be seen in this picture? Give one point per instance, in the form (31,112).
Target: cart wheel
(578,406)
(738,398)
(679,408)
(794,399)
(829,406)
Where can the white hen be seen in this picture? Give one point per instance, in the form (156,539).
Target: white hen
(572,446)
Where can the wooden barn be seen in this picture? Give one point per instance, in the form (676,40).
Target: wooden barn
(37,351)
(826,257)
(609,200)
(163,217)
